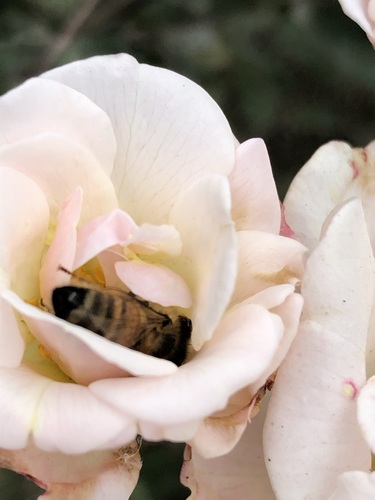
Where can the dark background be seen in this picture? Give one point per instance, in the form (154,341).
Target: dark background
(297,73)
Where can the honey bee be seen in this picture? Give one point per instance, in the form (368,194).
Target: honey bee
(124,318)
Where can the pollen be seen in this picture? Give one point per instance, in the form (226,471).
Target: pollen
(43,353)
(33,302)
(91,272)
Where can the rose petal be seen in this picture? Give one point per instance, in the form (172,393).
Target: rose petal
(208,262)
(311,421)
(83,355)
(114,484)
(69,474)
(24,222)
(317,189)
(363,13)
(58,165)
(40,105)
(35,405)
(370,346)
(12,344)
(289,311)
(169,131)
(154,283)
(366,412)
(235,356)
(102,233)
(264,260)
(62,249)
(218,435)
(355,485)
(254,196)
(240,474)
(363,184)
(148,239)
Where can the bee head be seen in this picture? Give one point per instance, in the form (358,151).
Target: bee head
(67,298)
(185,326)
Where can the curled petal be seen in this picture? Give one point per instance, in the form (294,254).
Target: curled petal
(208,262)
(58,165)
(62,249)
(265,260)
(242,346)
(24,222)
(40,105)
(317,189)
(82,354)
(154,283)
(289,311)
(311,421)
(33,405)
(254,196)
(101,233)
(149,239)
(169,131)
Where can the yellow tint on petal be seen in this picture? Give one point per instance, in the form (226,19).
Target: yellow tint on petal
(37,358)
(285,275)
(89,273)
(50,232)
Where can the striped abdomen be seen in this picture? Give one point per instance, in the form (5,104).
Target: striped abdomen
(125,319)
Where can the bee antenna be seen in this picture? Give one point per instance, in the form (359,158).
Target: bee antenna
(61,268)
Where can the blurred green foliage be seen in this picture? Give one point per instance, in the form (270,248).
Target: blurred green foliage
(297,73)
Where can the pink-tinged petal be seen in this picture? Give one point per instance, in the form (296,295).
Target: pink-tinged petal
(101,233)
(84,355)
(241,474)
(355,485)
(154,283)
(317,189)
(55,471)
(366,412)
(285,229)
(242,346)
(58,165)
(40,105)
(169,131)
(311,434)
(255,201)
(24,218)
(363,184)
(266,259)
(208,262)
(33,405)
(62,249)
(149,239)
(363,13)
